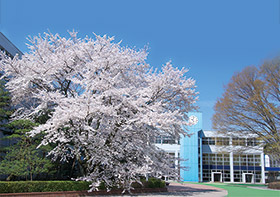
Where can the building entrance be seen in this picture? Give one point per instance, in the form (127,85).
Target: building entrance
(248,177)
(216,177)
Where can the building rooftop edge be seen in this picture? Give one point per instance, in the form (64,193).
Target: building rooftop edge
(9,46)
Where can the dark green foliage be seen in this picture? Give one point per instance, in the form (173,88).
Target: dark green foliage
(44,116)
(155,183)
(5,107)
(42,186)
(18,152)
(151,183)
(52,186)
(23,158)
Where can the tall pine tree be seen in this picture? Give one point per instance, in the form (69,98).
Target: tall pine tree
(5,107)
(5,113)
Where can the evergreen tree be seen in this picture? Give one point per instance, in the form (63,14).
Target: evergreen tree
(23,158)
(5,108)
(5,113)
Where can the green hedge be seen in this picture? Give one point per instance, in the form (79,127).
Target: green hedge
(154,183)
(53,186)
(42,186)
(151,183)
(274,185)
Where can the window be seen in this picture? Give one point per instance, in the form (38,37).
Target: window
(158,140)
(208,141)
(257,160)
(205,141)
(250,160)
(220,141)
(211,141)
(172,160)
(238,142)
(166,140)
(244,160)
(236,160)
(252,142)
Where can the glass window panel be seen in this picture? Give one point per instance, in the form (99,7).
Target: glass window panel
(238,141)
(251,142)
(205,141)
(226,141)
(211,141)
(222,141)
(235,141)
(242,142)
(226,163)
(219,141)
(158,140)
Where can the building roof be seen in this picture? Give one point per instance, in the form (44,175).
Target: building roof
(8,46)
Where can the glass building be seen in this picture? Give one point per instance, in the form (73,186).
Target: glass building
(210,156)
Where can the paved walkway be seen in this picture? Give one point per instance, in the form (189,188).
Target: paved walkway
(194,190)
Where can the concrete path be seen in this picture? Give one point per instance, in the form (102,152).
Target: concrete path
(194,190)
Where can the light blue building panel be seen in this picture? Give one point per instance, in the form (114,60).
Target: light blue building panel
(189,150)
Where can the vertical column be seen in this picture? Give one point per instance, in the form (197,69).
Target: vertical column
(201,159)
(231,167)
(189,150)
(176,159)
(262,167)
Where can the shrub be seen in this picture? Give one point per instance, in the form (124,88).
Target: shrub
(53,186)
(274,185)
(151,183)
(155,183)
(42,186)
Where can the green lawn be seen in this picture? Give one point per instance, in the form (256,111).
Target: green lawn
(240,190)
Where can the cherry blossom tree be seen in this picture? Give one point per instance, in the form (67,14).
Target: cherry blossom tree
(104,104)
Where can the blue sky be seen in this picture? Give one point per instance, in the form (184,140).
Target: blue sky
(214,39)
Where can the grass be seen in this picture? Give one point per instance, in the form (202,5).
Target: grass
(247,185)
(242,190)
